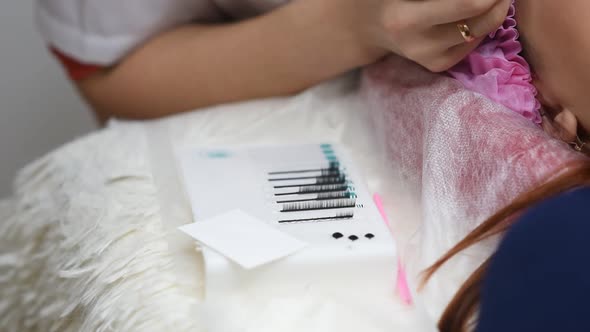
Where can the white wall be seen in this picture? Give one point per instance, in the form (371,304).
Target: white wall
(39,110)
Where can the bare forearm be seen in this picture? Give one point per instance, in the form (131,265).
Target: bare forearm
(197,66)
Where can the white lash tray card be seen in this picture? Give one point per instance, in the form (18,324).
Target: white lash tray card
(315,194)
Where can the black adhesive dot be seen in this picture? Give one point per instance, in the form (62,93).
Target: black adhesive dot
(369,236)
(353,238)
(337,235)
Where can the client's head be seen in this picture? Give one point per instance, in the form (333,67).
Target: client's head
(557,46)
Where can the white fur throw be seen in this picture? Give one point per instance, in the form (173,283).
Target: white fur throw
(84,245)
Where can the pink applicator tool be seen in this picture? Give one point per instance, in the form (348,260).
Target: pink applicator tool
(402,281)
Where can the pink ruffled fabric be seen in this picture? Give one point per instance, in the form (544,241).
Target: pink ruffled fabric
(496,70)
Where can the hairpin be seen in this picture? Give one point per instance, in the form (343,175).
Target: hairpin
(578,144)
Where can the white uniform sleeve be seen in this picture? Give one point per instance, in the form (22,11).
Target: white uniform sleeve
(103,31)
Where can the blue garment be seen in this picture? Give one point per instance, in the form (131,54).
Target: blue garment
(539,278)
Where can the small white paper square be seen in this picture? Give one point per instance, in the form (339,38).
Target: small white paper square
(244,239)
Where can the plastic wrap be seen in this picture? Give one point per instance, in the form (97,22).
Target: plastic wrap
(460,156)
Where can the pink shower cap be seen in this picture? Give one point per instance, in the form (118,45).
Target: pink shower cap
(497,70)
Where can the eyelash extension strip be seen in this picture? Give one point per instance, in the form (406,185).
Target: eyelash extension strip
(334,167)
(319,181)
(335,174)
(320,205)
(339,216)
(316,189)
(322,197)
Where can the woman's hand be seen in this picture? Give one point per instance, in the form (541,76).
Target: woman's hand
(424,31)
(289,49)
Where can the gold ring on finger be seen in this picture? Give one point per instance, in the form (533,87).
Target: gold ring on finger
(465,31)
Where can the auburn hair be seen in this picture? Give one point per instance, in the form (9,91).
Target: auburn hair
(459,314)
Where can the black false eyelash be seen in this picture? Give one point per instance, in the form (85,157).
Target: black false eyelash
(333,169)
(344,194)
(331,172)
(323,188)
(319,181)
(319,205)
(331,179)
(316,189)
(338,216)
(322,197)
